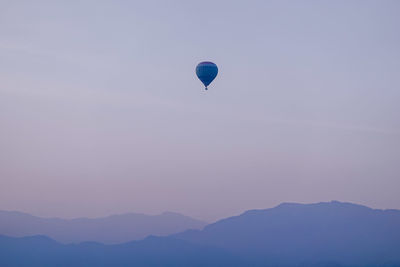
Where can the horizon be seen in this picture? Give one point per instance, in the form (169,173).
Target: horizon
(200,219)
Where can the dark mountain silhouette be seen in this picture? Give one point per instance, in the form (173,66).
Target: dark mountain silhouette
(109,230)
(305,233)
(322,234)
(40,251)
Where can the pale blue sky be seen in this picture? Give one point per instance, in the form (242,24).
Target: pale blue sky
(101,112)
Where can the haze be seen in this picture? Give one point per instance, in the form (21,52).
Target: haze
(101,111)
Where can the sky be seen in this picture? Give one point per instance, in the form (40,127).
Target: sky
(101,111)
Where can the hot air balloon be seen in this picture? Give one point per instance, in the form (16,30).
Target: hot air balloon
(206,71)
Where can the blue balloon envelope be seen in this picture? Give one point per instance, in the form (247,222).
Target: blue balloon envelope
(206,72)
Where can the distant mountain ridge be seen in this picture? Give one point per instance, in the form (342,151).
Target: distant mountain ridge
(112,229)
(333,234)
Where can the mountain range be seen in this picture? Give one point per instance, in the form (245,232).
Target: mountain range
(108,230)
(321,234)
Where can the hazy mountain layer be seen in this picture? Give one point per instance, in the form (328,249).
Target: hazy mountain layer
(322,234)
(109,230)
